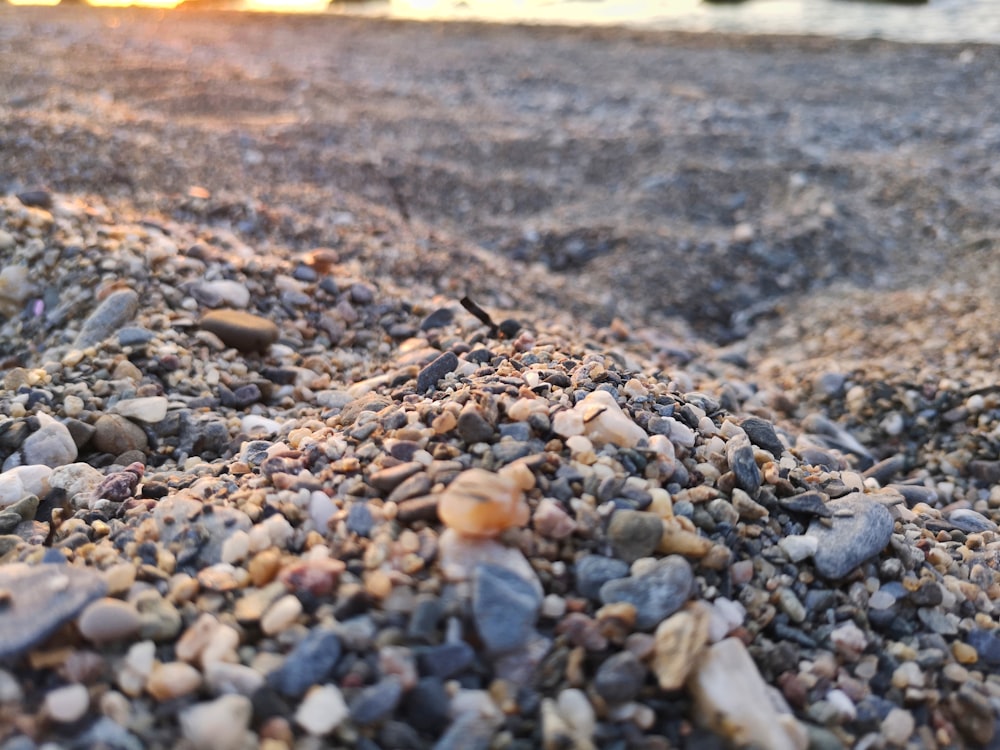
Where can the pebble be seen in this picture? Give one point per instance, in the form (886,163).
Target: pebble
(150,409)
(634,534)
(172,680)
(39,599)
(312,660)
(657,593)
(678,642)
(593,571)
(67,704)
(482,504)
(619,678)
(472,425)
(322,710)
(799,546)
(220,724)
(429,376)
(50,445)
(241,330)
(107,620)
(740,456)
(117,435)
(376,702)
(605,422)
(281,615)
(860,529)
(504,608)
(22,481)
(898,726)
(987,645)
(731,695)
(761,433)
(117,309)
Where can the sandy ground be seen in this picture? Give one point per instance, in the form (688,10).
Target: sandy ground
(695,176)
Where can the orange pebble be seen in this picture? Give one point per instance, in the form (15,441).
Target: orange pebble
(483,504)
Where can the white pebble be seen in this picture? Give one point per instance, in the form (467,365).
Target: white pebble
(236,548)
(67,704)
(898,726)
(217,725)
(799,546)
(149,409)
(322,711)
(281,614)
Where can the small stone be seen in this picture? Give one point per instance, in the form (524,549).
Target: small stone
(798,546)
(739,454)
(376,702)
(120,485)
(593,571)
(150,409)
(859,530)
(551,521)
(605,422)
(322,711)
(116,435)
(67,704)
(221,724)
(761,433)
(898,726)
(308,664)
(172,680)
(987,645)
(679,640)
(473,426)
(620,677)
(748,508)
(281,615)
(656,594)
(428,377)
(733,700)
(107,620)
(634,534)
(482,504)
(115,311)
(504,608)
(50,445)
(240,330)
(22,481)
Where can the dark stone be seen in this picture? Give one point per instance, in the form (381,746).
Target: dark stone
(432,373)
(656,594)
(446,660)
(473,426)
(620,677)
(423,625)
(504,608)
(376,702)
(810,503)
(308,664)
(518,431)
(387,479)
(886,469)
(36,198)
(928,595)
(987,645)
(858,530)
(417,509)
(359,519)
(762,434)
(241,330)
(441,317)
(418,484)
(593,571)
(634,534)
(739,454)
(426,706)
(915,493)
(986,472)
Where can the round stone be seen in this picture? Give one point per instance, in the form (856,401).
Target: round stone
(634,534)
(241,330)
(483,504)
(108,620)
(67,704)
(116,435)
(217,725)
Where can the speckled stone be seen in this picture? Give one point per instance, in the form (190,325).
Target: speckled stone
(656,594)
(859,529)
(504,607)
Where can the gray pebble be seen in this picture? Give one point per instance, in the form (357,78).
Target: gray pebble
(634,534)
(135,336)
(593,571)
(761,433)
(620,677)
(739,453)
(504,608)
(473,426)
(376,702)
(859,529)
(114,312)
(432,373)
(970,521)
(656,594)
(308,664)
(446,660)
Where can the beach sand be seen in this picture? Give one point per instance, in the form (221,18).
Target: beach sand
(775,256)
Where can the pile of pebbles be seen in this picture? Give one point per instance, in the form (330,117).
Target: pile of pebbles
(294,494)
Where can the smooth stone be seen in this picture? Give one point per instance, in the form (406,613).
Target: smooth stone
(656,594)
(39,599)
(605,422)
(987,645)
(135,336)
(446,660)
(429,376)
(67,704)
(50,445)
(426,705)
(504,608)
(79,480)
(241,330)
(970,521)
(115,311)
(481,503)
(322,711)
(172,680)
(149,409)
(220,724)
(116,435)
(739,454)
(634,534)
(376,702)
(620,677)
(107,620)
(22,481)
(312,660)
(593,571)
(731,699)
(678,641)
(473,426)
(281,615)
(226,677)
(859,529)
(222,291)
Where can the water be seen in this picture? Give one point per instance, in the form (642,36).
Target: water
(936,21)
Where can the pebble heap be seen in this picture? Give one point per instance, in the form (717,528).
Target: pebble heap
(255,493)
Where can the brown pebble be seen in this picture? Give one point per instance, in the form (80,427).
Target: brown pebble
(241,330)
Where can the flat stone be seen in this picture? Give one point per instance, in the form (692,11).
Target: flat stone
(679,640)
(634,534)
(107,620)
(376,702)
(312,660)
(732,700)
(656,594)
(620,677)
(217,725)
(241,330)
(761,433)
(504,608)
(473,426)
(149,409)
(605,422)
(39,599)
(115,311)
(67,704)
(859,529)
(429,376)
